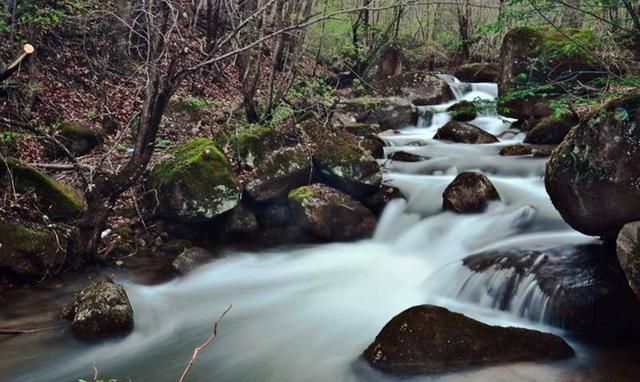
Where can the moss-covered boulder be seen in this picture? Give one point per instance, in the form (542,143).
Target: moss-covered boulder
(592,177)
(99,311)
(282,171)
(330,215)
(79,139)
(477,72)
(463,111)
(387,113)
(628,252)
(196,184)
(341,163)
(58,200)
(190,259)
(250,143)
(552,130)
(470,192)
(29,253)
(462,132)
(428,339)
(423,87)
(531,58)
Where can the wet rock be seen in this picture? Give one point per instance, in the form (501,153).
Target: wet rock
(462,132)
(403,156)
(585,286)
(388,113)
(341,163)
(429,339)
(198,184)
(282,171)
(629,254)
(190,259)
(361,129)
(477,72)
(173,248)
(592,176)
(538,151)
(552,130)
(428,88)
(373,145)
(58,200)
(377,201)
(242,223)
(463,111)
(77,138)
(28,253)
(329,214)
(470,192)
(99,311)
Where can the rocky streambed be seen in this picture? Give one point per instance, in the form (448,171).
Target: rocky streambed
(474,231)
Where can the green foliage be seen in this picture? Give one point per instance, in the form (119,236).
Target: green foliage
(200,103)
(9,138)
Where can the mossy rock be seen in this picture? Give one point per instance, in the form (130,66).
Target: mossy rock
(552,130)
(463,111)
(477,72)
(330,215)
(387,113)
(341,163)
(282,171)
(427,87)
(29,253)
(197,184)
(59,200)
(77,138)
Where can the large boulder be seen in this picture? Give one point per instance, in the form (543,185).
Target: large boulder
(282,171)
(470,192)
(583,287)
(58,200)
(341,163)
(629,254)
(329,214)
(592,177)
(196,184)
(386,112)
(462,132)
(422,87)
(29,253)
(78,139)
(477,72)
(533,56)
(552,130)
(428,339)
(99,311)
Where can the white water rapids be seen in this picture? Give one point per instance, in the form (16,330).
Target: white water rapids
(307,313)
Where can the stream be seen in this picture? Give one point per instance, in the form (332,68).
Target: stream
(306,313)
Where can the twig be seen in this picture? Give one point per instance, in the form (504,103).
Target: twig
(198,349)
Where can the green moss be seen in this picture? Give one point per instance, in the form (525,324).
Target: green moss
(198,182)
(60,200)
(250,139)
(301,194)
(28,252)
(23,239)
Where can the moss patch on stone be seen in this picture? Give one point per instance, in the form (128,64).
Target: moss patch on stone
(27,252)
(301,194)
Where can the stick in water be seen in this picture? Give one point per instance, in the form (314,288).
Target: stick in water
(206,343)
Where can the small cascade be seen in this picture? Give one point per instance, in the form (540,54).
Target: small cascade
(458,88)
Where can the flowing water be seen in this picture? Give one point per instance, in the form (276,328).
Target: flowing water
(307,313)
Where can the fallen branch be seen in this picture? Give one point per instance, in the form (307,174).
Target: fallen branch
(11,69)
(60,166)
(206,343)
(11,332)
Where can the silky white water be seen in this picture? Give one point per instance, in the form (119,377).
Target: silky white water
(307,313)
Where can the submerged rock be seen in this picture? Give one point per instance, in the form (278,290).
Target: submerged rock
(629,254)
(329,214)
(463,111)
(59,201)
(477,72)
(429,339)
(470,192)
(197,184)
(28,253)
(279,173)
(422,87)
(403,156)
(462,132)
(584,287)
(592,177)
(99,311)
(552,130)
(191,258)
(341,163)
